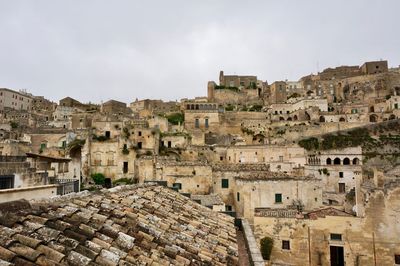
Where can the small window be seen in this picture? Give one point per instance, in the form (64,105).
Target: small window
(108,134)
(238,196)
(196,123)
(336,237)
(221,158)
(228,208)
(397,259)
(139,145)
(177,185)
(225,183)
(206,122)
(286,244)
(140,133)
(169,144)
(278,198)
(340,174)
(125,168)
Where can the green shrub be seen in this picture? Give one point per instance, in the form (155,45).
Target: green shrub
(175,118)
(98,178)
(309,144)
(266,244)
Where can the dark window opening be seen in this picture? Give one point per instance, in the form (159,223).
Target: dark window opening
(397,259)
(140,133)
(337,237)
(108,134)
(6,182)
(169,144)
(125,168)
(177,185)
(225,183)
(196,123)
(228,208)
(278,198)
(139,145)
(340,174)
(286,244)
(238,196)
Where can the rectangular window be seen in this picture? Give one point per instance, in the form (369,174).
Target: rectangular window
(286,244)
(340,174)
(278,198)
(228,208)
(238,196)
(6,182)
(139,145)
(225,183)
(342,188)
(43,146)
(108,134)
(177,185)
(140,133)
(125,168)
(206,122)
(196,123)
(169,144)
(337,237)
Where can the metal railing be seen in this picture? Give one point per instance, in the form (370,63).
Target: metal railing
(66,186)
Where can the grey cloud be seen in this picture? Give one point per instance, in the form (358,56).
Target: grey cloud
(98,50)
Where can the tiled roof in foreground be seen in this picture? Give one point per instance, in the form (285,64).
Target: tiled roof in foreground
(130,225)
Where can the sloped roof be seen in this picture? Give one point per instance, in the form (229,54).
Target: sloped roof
(129,225)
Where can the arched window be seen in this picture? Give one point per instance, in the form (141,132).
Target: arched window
(295,117)
(342,119)
(321,119)
(346,161)
(281,118)
(329,161)
(392,116)
(289,119)
(336,161)
(356,161)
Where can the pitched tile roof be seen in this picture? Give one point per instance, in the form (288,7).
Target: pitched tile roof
(129,225)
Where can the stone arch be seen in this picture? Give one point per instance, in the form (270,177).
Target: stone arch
(328,161)
(356,161)
(342,119)
(322,119)
(346,161)
(281,118)
(373,118)
(336,161)
(392,116)
(289,119)
(295,118)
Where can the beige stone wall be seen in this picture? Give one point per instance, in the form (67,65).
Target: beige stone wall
(28,193)
(359,235)
(15,100)
(261,194)
(194,178)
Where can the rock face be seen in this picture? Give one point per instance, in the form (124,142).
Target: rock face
(130,225)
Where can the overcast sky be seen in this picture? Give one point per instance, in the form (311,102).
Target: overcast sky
(123,50)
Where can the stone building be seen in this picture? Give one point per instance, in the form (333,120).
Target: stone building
(277,92)
(15,100)
(115,107)
(331,236)
(374,67)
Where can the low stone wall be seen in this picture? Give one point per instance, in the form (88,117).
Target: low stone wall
(28,193)
(255,255)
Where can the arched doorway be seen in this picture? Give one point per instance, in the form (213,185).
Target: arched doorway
(336,161)
(322,119)
(373,118)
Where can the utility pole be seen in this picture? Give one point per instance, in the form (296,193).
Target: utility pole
(373,244)
(309,247)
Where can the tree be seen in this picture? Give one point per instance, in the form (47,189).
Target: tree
(266,244)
